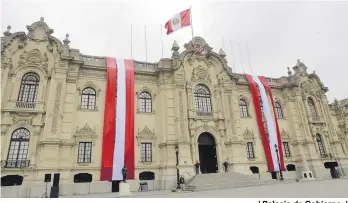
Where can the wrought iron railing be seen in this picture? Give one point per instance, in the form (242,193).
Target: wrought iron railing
(15,163)
(25,105)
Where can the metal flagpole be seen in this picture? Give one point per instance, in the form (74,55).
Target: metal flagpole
(241,60)
(191,22)
(162,40)
(131,41)
(145,46)
(234,65)
(249,59)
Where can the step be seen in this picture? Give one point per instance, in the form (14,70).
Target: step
(238,184)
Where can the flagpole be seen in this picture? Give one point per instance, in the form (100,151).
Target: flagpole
(191,22)
(131,41)
(240,55)
(234,66)
(249,59)
(145,46)
(162,40)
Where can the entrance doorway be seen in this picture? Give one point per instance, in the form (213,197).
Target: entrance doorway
(207,153)
(333,170)
(11,180)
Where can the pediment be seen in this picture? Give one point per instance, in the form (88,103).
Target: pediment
(146,132)
(284,134)
(85,131)
(248,134)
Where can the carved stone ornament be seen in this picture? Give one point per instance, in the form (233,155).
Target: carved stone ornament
(85,130)
(146,132)
(197,48)
(22,120)
(248,134)
(34,57)
(200,74)
(39,31)
(284,134)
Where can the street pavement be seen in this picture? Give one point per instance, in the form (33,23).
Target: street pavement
(336,188)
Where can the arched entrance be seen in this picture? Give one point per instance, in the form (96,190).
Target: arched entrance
(207,153)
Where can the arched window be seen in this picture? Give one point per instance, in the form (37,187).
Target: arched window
(243,108)
(203,99)
(28,90)
(321,146)
(88,98)
(312,109)
(145,102)
(279,110)
(19,144)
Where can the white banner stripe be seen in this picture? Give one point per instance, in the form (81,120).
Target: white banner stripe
(176,22)
(120,129)
(270,122)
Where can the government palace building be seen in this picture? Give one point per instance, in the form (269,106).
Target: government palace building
(191,105)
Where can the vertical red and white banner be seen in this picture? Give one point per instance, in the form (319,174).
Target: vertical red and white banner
(118,131)
(273,139)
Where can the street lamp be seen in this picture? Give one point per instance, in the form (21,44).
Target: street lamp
(177,166)
(280,169)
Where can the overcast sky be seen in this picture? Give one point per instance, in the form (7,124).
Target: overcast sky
(276,33)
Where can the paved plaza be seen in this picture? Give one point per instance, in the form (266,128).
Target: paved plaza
(316,189)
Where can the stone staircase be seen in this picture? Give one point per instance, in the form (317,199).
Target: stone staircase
(217,181)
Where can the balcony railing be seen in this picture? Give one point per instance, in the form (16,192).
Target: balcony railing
(15,163)
(199,113)
(25,105)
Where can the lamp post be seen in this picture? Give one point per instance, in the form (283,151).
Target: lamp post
(177,166)
(280,169)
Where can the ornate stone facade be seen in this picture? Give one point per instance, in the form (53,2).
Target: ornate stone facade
(58,122)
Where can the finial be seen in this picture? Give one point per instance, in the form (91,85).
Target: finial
(314,71)
(42,19)
(289,71)
(222,53)
(66,40)
(175,46)
(8,31)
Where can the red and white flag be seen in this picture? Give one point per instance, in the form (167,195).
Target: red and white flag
(274,137)
(180,20)
(118,132)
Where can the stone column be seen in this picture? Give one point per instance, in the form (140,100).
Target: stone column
(5,76)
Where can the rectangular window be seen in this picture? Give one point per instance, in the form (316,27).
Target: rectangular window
(146,152)
(250,150)
(85,152)
(286,149)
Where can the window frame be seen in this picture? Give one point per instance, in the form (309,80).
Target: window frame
(311,106)
(279,110)
(15,161)
(321,146)
(145,102)
(250,150)
(203,101)
(84,151)
(88,99)
(287,151)
(243,108)
(146,152)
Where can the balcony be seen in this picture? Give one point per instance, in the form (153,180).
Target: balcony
(15,163)
(23,106)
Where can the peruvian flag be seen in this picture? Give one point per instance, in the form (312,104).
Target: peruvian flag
(273,142)
(118,132)
(180,20)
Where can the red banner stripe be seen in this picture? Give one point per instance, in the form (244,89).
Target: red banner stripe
(256,101)
(129,139)
(280,144)
(109,121)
